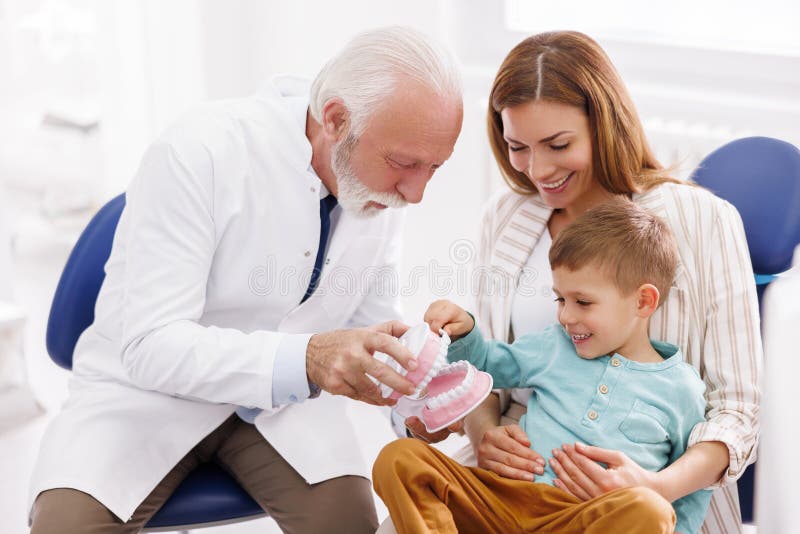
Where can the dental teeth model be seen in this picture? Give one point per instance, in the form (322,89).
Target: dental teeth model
(430,352)
(444,393)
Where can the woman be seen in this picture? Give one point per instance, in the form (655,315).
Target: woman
(567,137)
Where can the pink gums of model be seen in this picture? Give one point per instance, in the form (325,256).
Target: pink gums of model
(445,393)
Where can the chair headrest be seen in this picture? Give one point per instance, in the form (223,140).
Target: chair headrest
(761,177)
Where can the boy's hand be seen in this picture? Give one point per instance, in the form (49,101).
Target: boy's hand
(579,471)
(417,430)
(449,317)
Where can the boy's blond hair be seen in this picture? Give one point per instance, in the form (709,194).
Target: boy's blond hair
(632,246)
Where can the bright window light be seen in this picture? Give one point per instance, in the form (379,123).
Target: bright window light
(765,26)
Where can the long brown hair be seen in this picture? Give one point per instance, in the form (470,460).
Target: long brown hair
(571,68)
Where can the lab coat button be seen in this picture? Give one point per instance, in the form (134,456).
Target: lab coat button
(293,398)
(592,415)
(313,189)
(603,389)
(307,253)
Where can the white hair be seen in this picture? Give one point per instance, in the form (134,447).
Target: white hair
(365,73)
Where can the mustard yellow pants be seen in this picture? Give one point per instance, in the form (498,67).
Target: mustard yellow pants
(427,491)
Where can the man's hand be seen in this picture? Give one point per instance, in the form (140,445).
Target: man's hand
(450,317)
(339,362)
(506,451)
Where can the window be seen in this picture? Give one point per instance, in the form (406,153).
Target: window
(767,26)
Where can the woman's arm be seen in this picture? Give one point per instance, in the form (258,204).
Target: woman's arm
(699,467)
(579,472)
(732,354)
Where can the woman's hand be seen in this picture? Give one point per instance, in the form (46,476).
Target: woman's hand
(450,317)
(579,473)
(506,450)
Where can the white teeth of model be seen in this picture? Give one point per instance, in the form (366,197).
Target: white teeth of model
(460,365)
(471,375)
(557,184)
(442,398)
(581,336)
(444,337)
(424,383)
(439,362)
(466,383)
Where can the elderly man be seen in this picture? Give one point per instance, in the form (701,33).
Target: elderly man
(230,253)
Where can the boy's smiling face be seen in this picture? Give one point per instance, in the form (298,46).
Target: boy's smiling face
(596,315)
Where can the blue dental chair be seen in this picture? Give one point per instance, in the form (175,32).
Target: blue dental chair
(209,496)
(761,177)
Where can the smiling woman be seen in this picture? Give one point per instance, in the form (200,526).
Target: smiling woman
(567,137)
(559,164)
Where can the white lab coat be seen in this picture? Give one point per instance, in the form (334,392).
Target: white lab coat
(210,261)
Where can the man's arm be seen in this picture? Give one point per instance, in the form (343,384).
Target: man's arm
(170,239)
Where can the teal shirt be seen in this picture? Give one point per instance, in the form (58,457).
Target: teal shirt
(645,410)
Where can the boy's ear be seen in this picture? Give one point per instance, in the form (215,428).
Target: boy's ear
(335,118)
(646,300)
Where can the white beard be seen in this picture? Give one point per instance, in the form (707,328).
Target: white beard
(353,195)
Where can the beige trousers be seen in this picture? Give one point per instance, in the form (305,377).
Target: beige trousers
(341,504)
(427,491)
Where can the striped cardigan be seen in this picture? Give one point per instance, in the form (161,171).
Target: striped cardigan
(711,311)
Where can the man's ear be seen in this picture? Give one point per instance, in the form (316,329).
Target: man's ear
(646,300)
(335,119)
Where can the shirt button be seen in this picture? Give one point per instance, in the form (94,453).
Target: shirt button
(603,389)
(307,253)
(313,189)
(615,362)
(592,415)
(293,398)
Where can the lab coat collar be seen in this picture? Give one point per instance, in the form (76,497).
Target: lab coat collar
(294,91)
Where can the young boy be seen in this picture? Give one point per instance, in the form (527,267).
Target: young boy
(597,379)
